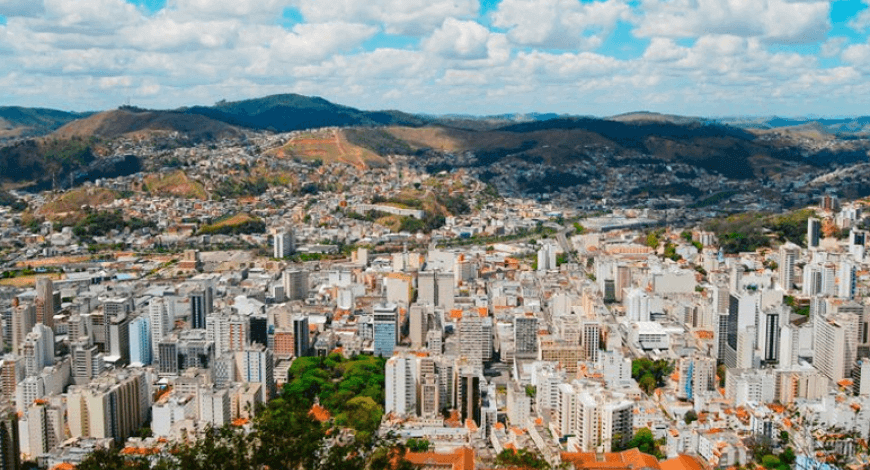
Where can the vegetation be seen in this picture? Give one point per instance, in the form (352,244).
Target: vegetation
(523,458)
(650,374)
(643,441)
(285,434)
(746,231)
(351,390)
(378,140)
(12,202)
(418,445)
(234,225)
(100,223)
(234,188)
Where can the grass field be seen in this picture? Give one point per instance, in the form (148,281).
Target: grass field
(27,281)
(175,184)
(69,204)
(329,146)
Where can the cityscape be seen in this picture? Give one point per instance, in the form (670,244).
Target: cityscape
(434,235)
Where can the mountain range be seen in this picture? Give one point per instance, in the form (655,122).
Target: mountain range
(42,142)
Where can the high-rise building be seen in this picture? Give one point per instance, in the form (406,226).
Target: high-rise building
(418,325)
(847,280)
(835,344)
(301,340)
(697,375)
(468,397)
(112,406)
(386,329)
(812,280)
(87,362)
(23,319)
(295,284)
(10,445)
(428,393)
(526,335)
(257,365)
(201,305)
(259,329)
(38,349)
(637,306)
(161,323)
(400,385)
(475,337)
(45,428)
(45,306)
(788,255)
(283,243)
(590,340)
(11,373)
(119,339)
(769,336)
(435,288)
(140,341)
(814,230)
(546,257)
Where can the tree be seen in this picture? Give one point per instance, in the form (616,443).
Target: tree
(690,417)
(787,456)
(418,445)
(643,441)
(522,458)
(770,461)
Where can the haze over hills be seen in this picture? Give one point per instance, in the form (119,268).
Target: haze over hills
(555,151)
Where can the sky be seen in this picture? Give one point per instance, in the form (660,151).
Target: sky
(587,57)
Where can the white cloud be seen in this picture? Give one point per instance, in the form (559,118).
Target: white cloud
(832,47)
(861,22)
(459,39)
(560,24)
(857,54)
(21,7)
(664,50)
(409,17)
(780,21)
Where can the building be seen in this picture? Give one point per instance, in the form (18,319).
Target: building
(386,329)
(788,255)
(295,284)
(547,258)
(45,305)
(814,230)
(111,406)
(140,341)
(283,243)
(435,288)
(161,323)
(201,305)
(301,341)
(475,337)
(257,365)
(835,344)
(526,335)
(400,386)
(10,456)
(697,376)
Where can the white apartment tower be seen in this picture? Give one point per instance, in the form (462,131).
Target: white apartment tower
(283,243)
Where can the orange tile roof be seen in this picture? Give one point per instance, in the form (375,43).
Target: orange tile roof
(681,462)
(631,459)
(240,422)
(63,466)
(320,413)
(139,450)
(460,459)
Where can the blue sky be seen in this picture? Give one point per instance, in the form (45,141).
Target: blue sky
(598,57)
